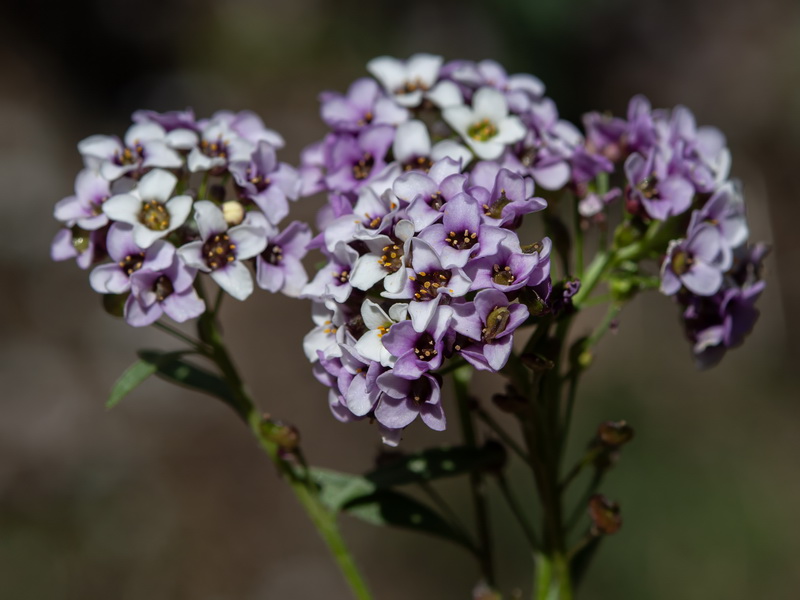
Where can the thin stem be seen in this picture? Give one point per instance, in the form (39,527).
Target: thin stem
(201,192)
(218,301)
(461,378)
(576,223)
(443,505)
(196,344)
(502,434)
(305,491)
(516,509)
(581,507)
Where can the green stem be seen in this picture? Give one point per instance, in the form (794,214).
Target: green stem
(305,491)
(518,513)
(461,379)
(552,578)
(196,344)
(503,434)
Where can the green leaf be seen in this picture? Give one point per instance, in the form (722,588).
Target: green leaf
(386,507)
(171,367)
(129,380)
(435,463)
(337,489)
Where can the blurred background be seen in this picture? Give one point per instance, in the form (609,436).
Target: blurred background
(167,497)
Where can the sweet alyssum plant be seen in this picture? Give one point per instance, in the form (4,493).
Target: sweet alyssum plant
(466,225)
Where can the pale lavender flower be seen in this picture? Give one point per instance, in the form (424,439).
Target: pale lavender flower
(419,343)
(725,211)
(506,270)
(333,280)
(144,147)
(698,262)
(86,247)
(404,400)
(279,267)
(85,208)
(355,160)
(129,257)
(169,290)
(661,193)
(364,105)
(489,321)
(266,182)
(221,249)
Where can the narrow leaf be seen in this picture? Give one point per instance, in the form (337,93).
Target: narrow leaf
(386,507)
(129,380)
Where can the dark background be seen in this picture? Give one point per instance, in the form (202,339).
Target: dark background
(167,497)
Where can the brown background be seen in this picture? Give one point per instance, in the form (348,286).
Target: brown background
(166,497)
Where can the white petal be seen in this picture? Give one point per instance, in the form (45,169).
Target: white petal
(450,149)
(249,240)
(424,67)
(367,272)
(143,132)
(178,208)
(235,279)
(445,94)
(145,237)
(209,218)
(192,256)
(370,346)
(373,315)
(124,207)
(489,103)
(157,185)
(100,146)
(389,71)
(182,139)
(411,140)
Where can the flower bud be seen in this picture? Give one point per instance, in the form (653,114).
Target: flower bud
(605,515)
(614,434)
(233,211)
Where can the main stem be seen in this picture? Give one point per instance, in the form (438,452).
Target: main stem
(304,489)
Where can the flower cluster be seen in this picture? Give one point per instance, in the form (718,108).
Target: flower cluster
(676,174)
(177,197)
(429,169)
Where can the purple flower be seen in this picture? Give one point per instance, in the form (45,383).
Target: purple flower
(720,322)
(520,89)
(279,267)
(266,182)
(413,150)
(418,343)
(725,211)
(149,207)
(662,194)
(87,247)
(404,400)
(85,208)
(461,235)
(221,250)
(168,290)
(364,105)
(333,280)
(511,195)
(508,269)
(490,321)
(128,257)
(356,160)
(427,193)
(698,262)
(356,382)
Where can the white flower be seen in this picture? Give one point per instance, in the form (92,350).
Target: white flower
(145,146)
(412,143)
(369,345)
(409,80)
(149,208)
(328,333)
(219,145)
(486,126)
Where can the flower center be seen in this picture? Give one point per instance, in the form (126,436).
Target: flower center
(419,163)
(392,258)
(681,262)
(425,348)
(421,390)
(129,156)
(363,167)
(411,86)
(648,187)
(163,288)
(215,148)
(496,323)
(154,216)
(482,131)
(131,263)
(437,201)
(259,181)
(463,241)
(502,276)
(495,209)
(273,254)
(219,251)
(342,276)
(371,222)
(366,119)
(427,283)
